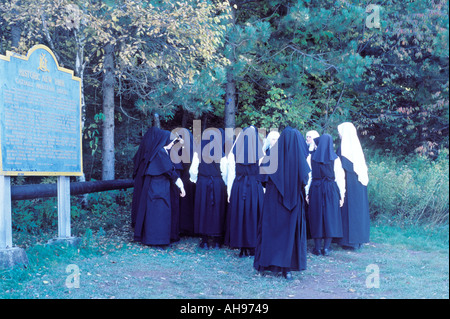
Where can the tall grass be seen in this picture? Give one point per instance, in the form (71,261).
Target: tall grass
(412,190)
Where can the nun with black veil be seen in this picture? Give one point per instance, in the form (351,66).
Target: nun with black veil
(186,152)
(175,198)
(355,211)
(209,174)
(325,195)
(282,229)
(153,175)
(245,192)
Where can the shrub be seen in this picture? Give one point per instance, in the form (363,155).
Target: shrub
(34,216)
(412,190)
(104,210)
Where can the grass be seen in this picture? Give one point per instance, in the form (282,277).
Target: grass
(412,263)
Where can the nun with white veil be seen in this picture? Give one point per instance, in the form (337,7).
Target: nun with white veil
(355,211)
(310,136)
(245,192)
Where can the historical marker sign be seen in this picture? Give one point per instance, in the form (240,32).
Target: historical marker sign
(40,116)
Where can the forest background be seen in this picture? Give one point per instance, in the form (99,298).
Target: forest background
(309,64)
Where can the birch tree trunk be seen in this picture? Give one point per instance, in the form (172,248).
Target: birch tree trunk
(108,112)
(230,90)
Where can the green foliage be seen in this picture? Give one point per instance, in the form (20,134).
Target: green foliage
(413,190)
(91,133)
(392,81)
(105,210)
(40,216)
(34,216)
(406,88)
(169,50)
(279,111)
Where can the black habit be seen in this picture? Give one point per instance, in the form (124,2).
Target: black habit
(210,193)
(324,196)
(154,171)
(247,195)
(187,202)
(355,211)
(282,229)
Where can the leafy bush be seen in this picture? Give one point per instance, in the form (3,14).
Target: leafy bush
(109,209)
(104,210)
(35,215)
(412,190)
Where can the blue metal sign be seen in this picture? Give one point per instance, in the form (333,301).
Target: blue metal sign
(40,116)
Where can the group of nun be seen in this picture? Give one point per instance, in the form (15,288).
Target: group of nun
(238,200)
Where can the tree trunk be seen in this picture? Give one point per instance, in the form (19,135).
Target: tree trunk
(16,31)
(108,112)
(230,90)
(80,39)
(156,120)
(184,119)
(79,71)
(230,100)
(205,117)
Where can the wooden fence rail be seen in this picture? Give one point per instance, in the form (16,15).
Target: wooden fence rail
(22,192)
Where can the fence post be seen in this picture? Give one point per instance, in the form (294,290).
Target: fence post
(9,255)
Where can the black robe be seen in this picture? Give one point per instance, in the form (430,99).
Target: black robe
(247,195)
(324,213)
(308,231)
(140,160)
(244,208)
(175,205)
(355,211)
(210,195)
(282,228)
(152,212)
(187,202)
(151,142)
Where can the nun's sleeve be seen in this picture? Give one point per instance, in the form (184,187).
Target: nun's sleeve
(179,183)
(231,172)
(193,170)
(224,169)
(308,185)
(339,174)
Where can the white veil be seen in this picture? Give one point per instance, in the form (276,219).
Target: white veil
(351,149)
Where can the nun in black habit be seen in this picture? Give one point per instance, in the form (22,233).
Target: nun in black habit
(246,193)
(282,230)
(175,204)
(153,174)
(209,174)
(355,211)
(187,202)
(325,195)
(310,136)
